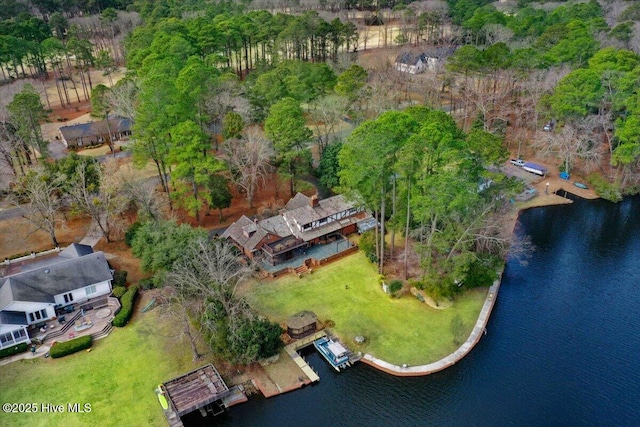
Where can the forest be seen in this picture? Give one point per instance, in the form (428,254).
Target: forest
(222,94)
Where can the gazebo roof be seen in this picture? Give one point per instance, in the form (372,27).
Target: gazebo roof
(302,319)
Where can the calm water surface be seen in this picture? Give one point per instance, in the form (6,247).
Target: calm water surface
(561,350)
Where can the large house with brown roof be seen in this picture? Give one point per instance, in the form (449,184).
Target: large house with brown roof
(304,222)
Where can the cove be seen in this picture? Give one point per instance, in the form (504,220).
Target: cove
(561,347)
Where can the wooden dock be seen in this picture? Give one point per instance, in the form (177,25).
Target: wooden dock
(292,350)
(201,389)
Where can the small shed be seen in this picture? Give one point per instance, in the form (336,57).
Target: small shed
(302,324)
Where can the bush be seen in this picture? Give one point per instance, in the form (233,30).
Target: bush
(131,233)
(118,291)
(120,278)
(125,312)
(19,348)
(395,286)
(69,347)
(147,283)
(605,189)
(367,244)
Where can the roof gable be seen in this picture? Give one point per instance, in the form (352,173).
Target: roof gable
(42,284)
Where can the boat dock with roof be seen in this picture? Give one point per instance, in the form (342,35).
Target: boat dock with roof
(201,389)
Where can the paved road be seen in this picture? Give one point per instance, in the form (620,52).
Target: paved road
(10,213)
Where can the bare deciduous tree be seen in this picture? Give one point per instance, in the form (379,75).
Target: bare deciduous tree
(150,204)
(101,204)
(204,286)
(38,194)
(327,112)
(248,160)
(122,97)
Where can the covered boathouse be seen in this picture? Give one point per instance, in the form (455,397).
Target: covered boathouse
(201,389)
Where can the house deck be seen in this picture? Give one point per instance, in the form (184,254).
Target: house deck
(319,252)
(80,322)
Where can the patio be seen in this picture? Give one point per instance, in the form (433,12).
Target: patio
(319,252)
(79,322)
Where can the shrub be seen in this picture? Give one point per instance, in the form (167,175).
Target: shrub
(69,347)
(10,351)
(118,291)
(605,189)
(131,233)
(367,244)
(120,278)
(395,286)
(147,283)
(125,312)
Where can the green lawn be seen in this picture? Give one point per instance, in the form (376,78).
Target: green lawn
(117,378)
(347,292)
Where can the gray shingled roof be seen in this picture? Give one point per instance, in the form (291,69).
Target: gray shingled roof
(76,250)
(297,210)
(276,225)
(438,52)
(236,232)
(298,201)
(326,207)
(116,125)
(42,284)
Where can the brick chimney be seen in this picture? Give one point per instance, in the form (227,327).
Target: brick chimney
(314,201)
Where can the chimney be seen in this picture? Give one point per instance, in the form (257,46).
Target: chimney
(314,201)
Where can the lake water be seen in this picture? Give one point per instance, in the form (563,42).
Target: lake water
(561,350)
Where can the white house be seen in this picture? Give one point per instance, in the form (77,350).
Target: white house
(33,296)
(415,63)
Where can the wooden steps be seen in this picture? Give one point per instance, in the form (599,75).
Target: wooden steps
(303,269)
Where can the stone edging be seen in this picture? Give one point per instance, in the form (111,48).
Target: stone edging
(453,358)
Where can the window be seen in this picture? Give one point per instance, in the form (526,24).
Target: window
(20,333)
(68,298)
(322,220)
(38,315)
(6,338)
(90,289)
(31,318)
(43,313)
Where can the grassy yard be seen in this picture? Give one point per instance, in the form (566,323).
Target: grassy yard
(398,330)
(117,378)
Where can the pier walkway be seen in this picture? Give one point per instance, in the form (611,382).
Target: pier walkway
(292,350)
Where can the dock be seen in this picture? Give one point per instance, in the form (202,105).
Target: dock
(292,350)
(201,389)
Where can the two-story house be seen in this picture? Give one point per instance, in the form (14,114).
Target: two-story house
(44,288)
(305,221)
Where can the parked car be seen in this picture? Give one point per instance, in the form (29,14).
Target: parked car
(517,162)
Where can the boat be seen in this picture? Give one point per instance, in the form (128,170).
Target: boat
(581,185)
(334,352)
(162,398)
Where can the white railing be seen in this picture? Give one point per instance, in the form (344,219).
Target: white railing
(8,261)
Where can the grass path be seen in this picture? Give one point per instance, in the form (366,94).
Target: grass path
(117,378)
(398,330)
